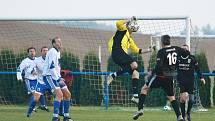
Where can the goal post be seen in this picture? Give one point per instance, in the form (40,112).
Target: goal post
(84,53)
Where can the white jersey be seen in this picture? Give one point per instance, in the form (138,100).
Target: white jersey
(40,64)
(28,66)
(52,64)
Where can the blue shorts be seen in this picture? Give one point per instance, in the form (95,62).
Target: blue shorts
(53,84)
(31,85)
(42,88)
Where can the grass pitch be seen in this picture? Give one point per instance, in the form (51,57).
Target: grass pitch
(17,113)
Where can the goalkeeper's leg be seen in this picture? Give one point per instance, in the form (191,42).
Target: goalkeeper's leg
(135,78)
(112,76)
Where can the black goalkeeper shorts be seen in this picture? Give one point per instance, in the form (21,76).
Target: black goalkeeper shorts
(166,83)
(123,60)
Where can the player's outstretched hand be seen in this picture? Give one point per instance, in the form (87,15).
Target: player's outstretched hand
(203,80)
(143,51)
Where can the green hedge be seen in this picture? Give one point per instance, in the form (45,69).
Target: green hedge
(204,89)
(91,85)
(11,90)
(71,62)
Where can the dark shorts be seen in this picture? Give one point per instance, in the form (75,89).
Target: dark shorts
(186,86)
(123,60)
(166,83)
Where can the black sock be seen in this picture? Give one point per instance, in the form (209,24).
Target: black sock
(120,72)
(135,85)
(182,105)
(189,107)
(175,106)
(141,101)
(113,75)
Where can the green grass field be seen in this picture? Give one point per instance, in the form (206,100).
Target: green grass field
(17,113)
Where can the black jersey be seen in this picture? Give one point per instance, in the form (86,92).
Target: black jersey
(167,60)
(186,66)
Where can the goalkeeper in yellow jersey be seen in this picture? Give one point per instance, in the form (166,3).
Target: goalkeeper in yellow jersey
(118,46)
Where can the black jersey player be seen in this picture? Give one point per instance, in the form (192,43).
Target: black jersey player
(186,66)
(163,76)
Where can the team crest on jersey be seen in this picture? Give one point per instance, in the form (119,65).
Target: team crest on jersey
(189,60)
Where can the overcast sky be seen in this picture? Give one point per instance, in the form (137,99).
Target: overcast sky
(200,11)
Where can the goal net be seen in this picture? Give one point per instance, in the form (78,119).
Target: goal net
(85,53)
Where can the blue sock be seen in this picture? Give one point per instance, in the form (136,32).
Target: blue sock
(42,101)
(32,105)
(61,112)
(66,104)
(56,108)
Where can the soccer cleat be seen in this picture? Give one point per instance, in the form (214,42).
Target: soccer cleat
(180,118)
(60,114)
(67,119)
(55,119)
(44,108)
(138,114)
(188,117)
(35,110)
(28,115)
(109,79)
(135,100)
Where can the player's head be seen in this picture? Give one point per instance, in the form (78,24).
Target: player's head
(44,50)
(165,40)
(186,49)
(132,25)
(31,52)
(56,42)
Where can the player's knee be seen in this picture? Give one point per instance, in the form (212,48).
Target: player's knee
(145,89)
(183,97)
(135,74)
(36,97)
(134,65)
(67,95)
(58,95)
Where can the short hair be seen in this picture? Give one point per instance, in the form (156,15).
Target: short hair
(165,39)
(30,49)
(43,48)
(54,39)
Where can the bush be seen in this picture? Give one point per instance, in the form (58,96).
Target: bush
(91,85)
(71,62)
(11,89)
(204,89)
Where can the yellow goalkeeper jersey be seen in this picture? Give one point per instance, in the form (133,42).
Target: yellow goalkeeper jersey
(122,39)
